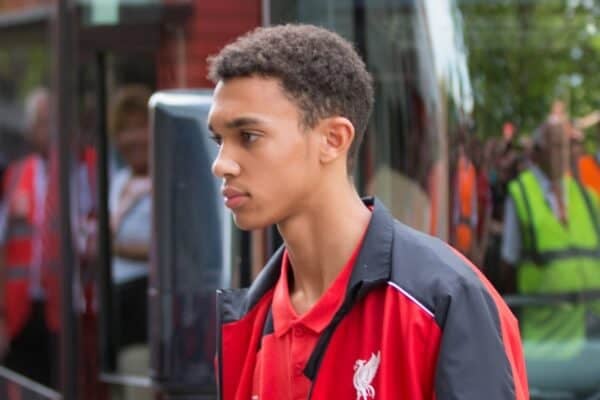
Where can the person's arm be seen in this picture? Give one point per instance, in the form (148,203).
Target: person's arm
(132,251)
(511,247)
(481,355)
(137,250)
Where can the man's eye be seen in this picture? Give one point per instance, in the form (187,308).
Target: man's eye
(216,139)
(249,137)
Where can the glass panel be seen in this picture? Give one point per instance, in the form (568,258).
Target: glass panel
(28,214)
(415,52)
(405,127)
(531,63)
(534,65)
(113,12)
(130,81)
(85,187)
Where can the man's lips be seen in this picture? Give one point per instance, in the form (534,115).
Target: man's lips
(234,198)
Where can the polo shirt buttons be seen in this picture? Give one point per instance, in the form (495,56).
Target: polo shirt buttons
(298,369)
(299,331)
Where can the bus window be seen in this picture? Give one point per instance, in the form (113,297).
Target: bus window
(29,333)
(130,207)
(414,52)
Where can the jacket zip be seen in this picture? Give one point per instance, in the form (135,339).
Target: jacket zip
(344,310)
(219,346)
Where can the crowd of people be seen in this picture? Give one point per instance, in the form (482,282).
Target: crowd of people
(30,310)
(527,213)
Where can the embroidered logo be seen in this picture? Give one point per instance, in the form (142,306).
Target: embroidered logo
(364,372)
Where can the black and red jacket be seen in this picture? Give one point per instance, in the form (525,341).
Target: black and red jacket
(441,331)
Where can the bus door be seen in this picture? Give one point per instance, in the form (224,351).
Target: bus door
(195,247)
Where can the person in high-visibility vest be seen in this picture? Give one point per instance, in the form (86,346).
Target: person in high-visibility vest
(29,329)
(465,214)
(551,238)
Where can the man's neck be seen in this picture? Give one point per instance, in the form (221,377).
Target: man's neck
(321,240)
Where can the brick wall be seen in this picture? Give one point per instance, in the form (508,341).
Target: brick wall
(20,5)
(181,60)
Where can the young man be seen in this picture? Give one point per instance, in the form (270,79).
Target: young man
(355,305)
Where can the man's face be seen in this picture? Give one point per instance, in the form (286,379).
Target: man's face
(40,131)
(558,109)
(269,164)
(132,141)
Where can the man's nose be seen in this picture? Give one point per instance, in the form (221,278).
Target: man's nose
(225,166)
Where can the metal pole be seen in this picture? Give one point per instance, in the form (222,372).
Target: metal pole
(266,12)
(107,340)
(65,72)
(360,40)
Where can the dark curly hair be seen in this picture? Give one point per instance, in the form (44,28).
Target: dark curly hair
(319,71)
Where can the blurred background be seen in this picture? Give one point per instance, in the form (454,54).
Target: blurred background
(485,133)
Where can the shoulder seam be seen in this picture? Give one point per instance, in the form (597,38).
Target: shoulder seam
(412,298)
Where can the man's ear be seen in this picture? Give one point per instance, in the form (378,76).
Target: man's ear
(337,134)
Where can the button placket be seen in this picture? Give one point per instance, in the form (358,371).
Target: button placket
(298,369)
(299,342)
(299,331)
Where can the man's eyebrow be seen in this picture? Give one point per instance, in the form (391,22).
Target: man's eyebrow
(238,123)
(242,121)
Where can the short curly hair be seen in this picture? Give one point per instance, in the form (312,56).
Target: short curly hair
(318,70)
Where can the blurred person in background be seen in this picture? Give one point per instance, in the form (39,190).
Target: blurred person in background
(491,261)
(587,166)
(549,245)
(29,323)
(509,154)
(558,111)
(525,153)
(130,212)
(464,203)
(503,161)
(481,160)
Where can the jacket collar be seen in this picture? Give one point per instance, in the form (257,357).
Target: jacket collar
(374,262)
(373,265)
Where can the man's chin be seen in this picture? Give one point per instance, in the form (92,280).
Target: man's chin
(246,223)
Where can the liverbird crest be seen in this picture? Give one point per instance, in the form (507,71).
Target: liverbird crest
(364,372)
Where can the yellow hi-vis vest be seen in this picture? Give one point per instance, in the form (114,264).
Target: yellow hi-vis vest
(556,259)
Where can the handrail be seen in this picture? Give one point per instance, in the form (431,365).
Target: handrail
(545,299)
(29,384)
(127,380)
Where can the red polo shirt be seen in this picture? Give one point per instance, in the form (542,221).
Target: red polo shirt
(283,355)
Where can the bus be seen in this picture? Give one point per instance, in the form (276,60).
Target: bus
(149,333)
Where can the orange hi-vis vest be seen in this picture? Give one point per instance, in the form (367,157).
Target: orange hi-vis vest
(589,172)
(465,218)
(22,202)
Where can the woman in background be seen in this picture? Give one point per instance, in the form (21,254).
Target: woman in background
(130,212)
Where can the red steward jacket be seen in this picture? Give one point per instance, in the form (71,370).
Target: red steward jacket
(418,322)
